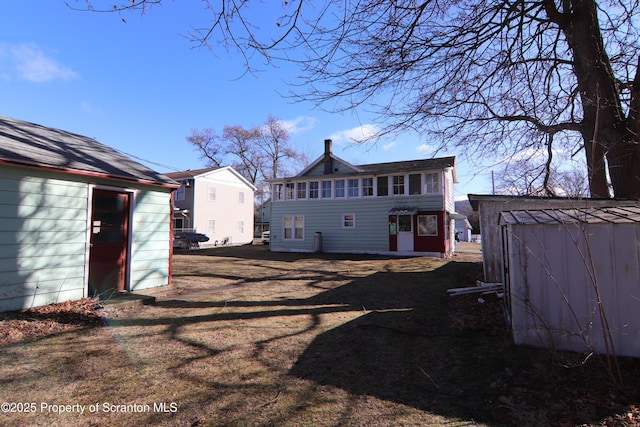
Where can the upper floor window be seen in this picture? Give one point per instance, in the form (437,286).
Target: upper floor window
(277,192)
(179,193)
(313,189)
(415,184)
(302,190)
(398,184)
(431,183)
(212,194)
(354,187)
(288,191)
(326,189)
(383,186)
(367,187)
(241,197)
(339,191)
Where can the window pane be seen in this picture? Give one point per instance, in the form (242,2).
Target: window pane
(431,183)
(339,188)
(289,191)
(348,221)
(398,184)
(326,189)
(383,186)
(354,190)
(302,190)
(404,223)
(313,190)
(367,186)
(427,225)
(414,184)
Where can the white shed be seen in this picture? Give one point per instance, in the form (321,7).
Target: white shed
(572,278)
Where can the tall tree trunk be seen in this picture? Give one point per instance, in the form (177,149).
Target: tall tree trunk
(606,130)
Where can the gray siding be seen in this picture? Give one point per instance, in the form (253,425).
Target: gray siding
(371,233)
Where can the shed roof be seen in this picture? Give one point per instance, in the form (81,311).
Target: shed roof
(616,214)
(29,144)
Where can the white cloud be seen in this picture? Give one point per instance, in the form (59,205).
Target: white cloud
(356,134)
(390,145)
(300,124)
(32,64)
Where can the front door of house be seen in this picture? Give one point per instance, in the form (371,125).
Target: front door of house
(405,233)
(108,253)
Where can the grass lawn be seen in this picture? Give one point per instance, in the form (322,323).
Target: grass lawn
(246,337)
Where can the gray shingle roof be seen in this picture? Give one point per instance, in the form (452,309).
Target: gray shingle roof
(31,144)
(408,165)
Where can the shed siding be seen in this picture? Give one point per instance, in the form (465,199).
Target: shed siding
(43,234)
(553,273)
(371,233)
(150,240)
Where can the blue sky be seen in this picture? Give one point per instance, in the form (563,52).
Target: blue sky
(141,87)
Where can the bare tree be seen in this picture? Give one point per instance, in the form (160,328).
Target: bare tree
(492,78)
(259,153)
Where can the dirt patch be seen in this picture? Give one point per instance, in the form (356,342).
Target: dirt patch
(250,337)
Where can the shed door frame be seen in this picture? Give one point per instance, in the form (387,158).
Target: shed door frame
(130,193)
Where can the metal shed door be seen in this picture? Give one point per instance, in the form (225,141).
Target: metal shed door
(109,242)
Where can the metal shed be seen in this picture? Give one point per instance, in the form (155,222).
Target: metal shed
(572,278)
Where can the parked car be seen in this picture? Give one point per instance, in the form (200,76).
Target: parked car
(265,237)
(189,240)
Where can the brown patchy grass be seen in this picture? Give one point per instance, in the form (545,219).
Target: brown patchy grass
(248,337)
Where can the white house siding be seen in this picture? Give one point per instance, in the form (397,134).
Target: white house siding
(150,239)
(370,235)
(43,235)
(552,274)
(226,210)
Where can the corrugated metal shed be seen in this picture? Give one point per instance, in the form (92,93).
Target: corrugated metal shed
(572,278)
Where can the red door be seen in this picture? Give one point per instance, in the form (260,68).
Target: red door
(109,242)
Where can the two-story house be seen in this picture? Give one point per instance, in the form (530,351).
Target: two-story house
(404,207)
(217,202)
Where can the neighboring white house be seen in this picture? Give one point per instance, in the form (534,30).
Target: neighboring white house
(572,278)
(404,207)
(217,202)
(77,218)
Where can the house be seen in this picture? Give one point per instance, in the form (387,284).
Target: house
(78,218)
(489,207)
(214,201)
(572,278)
(262,218)
(398,208)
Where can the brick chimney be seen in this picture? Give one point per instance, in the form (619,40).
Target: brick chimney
(328,162)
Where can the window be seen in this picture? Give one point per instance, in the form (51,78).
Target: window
(293,227)
(211,226)
(354,187)
(339,188)
(404,223)
(383,186)
(431,183)
(179,194)
(326,189)
(277,192)
(414,184)
(212,194)
(241,197)
(313,190)
(241,226)
(302,190)
(288,191)
(367,187)
(349,220)
(398,184)
(427,225)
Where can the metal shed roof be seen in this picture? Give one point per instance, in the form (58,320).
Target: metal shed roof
(616,214)
(30,144)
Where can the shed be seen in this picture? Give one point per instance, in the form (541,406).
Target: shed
(489,208)
(78,218)
(572,278)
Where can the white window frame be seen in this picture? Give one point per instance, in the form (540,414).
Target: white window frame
(314,193)
(298,190)
(289,191)
(212,193)
(349,220)
(371,187)
(353,191)
(241,197)
(211,226)
(328,188)
(432,183)
(342,193)
(398,186)
(424,230)
(179,194)
(241,226)
(292,227)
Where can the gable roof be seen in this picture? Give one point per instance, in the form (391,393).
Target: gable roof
(195,173)
(29,144)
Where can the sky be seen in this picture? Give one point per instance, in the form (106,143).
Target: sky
(141,87)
